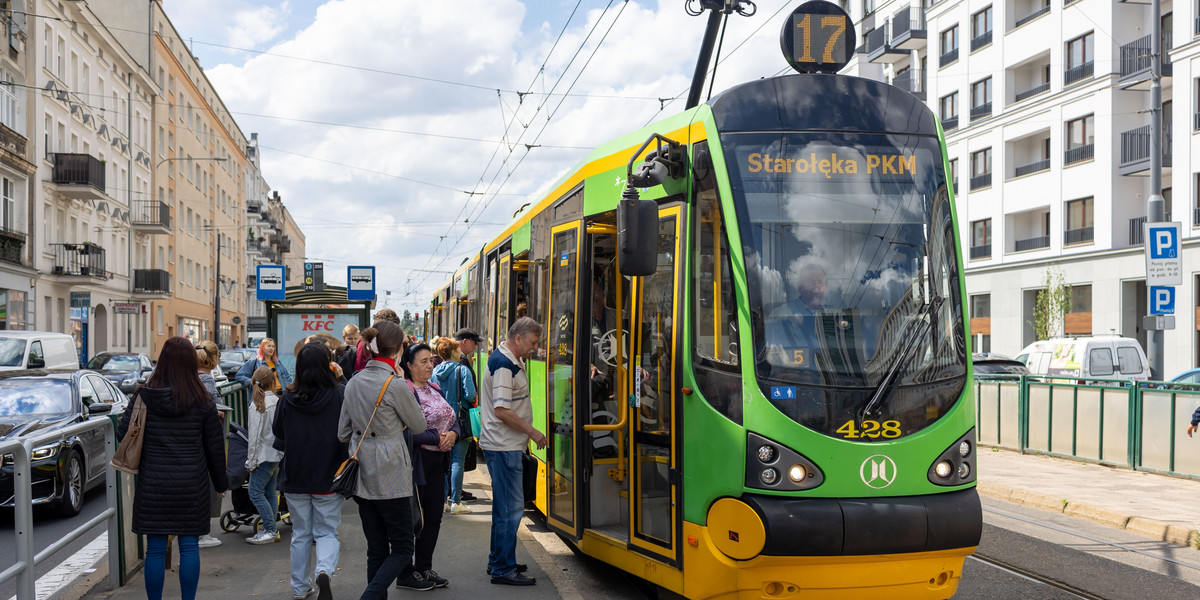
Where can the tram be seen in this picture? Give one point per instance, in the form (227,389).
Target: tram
(754,370)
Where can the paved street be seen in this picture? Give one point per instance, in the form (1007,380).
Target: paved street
(49,528)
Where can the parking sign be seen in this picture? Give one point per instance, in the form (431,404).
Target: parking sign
(1162,300)
(1164,260)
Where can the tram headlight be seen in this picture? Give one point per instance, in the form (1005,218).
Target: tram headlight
(769,476)
(767,454)
(943,469)
(964,471)
(964,449)
(798,473)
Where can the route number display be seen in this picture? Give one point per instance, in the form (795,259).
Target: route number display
(818,38)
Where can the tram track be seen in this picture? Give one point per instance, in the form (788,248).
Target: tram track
(1034,577)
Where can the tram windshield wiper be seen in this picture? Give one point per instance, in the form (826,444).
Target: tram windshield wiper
(924,322)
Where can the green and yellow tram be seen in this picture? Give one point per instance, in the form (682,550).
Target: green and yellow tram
(754,371)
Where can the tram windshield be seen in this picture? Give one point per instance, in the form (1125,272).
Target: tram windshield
(853,278)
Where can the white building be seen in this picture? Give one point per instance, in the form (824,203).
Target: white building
(91,201)
(1045,107)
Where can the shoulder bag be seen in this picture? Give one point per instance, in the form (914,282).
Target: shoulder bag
(345,480)
(128,456)
(464,415)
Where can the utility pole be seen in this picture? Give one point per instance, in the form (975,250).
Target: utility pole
(129,205)
(1155,212)
(217,303)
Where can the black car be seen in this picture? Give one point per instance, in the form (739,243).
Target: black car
(33,402)
(232,360)
(124,369)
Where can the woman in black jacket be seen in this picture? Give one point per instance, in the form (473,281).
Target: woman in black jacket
(306,430)
(183,450)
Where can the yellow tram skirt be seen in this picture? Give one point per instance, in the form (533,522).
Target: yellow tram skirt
(711,575)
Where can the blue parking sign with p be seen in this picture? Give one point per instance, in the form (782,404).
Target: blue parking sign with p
(1162,300)
(1164,242)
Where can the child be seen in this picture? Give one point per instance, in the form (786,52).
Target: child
(262,459)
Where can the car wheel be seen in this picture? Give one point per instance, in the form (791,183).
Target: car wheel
(72,497)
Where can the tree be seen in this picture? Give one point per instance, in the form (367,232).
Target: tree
(408,324)
(1053,302)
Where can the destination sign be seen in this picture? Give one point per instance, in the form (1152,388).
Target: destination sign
(830,164)
(818,37)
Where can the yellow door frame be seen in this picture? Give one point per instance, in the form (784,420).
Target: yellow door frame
(571,529)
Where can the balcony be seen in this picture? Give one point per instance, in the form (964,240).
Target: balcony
(151,216)
(981,181)
(281,243)
(1137,229)
(983,251)
(912,81)
(948,58)
(80,260)
(1031,16)
(908,29)
(254,207)
(1136,62)
(980,112)
(152,282)
(950,123)
(11,245)
(983,39)
(1023,170)
(12,141)
(1083,235)
(1029,93)
(1079,154)
(1196,121)
(1135,150)
(1078,73)
(880,49)
(79,176)
(1033,243)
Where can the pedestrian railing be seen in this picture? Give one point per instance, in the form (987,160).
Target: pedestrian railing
(1137,425)
(237,397)
(27,560)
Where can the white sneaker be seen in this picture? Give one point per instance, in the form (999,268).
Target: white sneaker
(459,508)
(305,594)
(263,537)
(446,508)
(208,541)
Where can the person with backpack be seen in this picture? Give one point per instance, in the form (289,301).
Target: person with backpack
(458,386)
(432,460)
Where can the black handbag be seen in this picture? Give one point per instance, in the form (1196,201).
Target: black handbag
(464,415)
(471,459)
(345,480)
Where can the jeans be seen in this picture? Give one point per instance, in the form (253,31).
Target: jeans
(508,505)
(388,527)
(262,494)
(432,496)
(454,480)
(314,517)
(155,568)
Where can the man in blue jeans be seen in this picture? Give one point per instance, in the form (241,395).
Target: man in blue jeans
(506,418)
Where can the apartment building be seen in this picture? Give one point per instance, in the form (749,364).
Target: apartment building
(17,170)
(1045,105)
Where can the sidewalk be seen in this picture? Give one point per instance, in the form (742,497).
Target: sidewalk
(1157,506)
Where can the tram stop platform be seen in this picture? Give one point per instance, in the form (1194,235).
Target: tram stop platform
(1155,506)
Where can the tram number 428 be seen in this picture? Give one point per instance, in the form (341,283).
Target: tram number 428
(870,429)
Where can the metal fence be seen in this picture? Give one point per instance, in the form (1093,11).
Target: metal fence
(1137,425)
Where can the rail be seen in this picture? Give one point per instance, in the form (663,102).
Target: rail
(24,569)
(1135,425)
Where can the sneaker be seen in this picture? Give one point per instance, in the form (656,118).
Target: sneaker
(208,541)
(467,496)
(415,580)
(458,508)
(305,594)
(438,581)
(323,591)
(447,507)
(264,537)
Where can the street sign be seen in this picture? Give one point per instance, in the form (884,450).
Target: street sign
(360,283)
(270,282)
(1162,300)
(314,277)
(127,308)
(1164,260)
(237,320)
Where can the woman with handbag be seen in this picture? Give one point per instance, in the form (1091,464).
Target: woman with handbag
(458,385)
(306,431)
(183,450)
(377,409)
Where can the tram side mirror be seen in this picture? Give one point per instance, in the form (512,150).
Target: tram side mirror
(637,235)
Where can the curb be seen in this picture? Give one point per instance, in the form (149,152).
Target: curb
(1159,530)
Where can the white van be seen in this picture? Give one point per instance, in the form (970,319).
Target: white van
(37,350)
(1107,357)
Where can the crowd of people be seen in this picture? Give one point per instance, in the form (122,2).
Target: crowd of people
(398,405)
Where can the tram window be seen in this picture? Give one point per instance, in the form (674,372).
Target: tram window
(716,324)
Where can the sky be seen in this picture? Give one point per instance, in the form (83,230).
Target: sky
(397,132)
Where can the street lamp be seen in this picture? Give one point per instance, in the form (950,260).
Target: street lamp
(129,320)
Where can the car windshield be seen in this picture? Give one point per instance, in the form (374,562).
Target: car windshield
(852,274)
(232,356)
(23,397)
(112,362)
(12,352)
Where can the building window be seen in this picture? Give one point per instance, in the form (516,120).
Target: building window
(981,98)
(981,322)
(954,173)
(981,239)
(1081,137)
(1081,53)
(1078,320)
(981,169)
(1080,217)
(949,41)
(981,29)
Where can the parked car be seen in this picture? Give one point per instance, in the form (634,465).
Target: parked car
(125,370)
(997,364)
(232,360)
(1191,376)
(37,350)
(1107,357)
(63,470)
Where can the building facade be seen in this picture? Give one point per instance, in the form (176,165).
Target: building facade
(1046,109)
(17,169)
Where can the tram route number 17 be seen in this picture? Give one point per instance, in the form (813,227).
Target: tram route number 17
(831,27)
(870,429)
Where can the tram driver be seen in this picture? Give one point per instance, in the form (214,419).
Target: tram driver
(792,329)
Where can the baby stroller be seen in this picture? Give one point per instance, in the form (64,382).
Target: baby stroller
(244,511)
